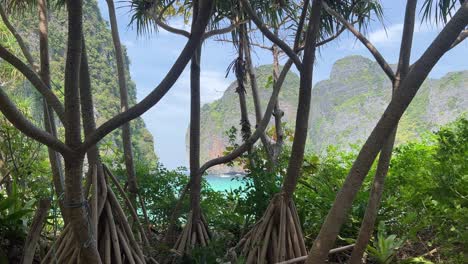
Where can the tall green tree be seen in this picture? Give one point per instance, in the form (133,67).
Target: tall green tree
(153,14)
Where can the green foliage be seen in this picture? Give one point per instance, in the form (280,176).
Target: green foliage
(384,248)
(23,161)
(14,214)
(428,189)
(9,74)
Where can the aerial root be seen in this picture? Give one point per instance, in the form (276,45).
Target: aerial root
(277,236)
(115,239)
(195,233)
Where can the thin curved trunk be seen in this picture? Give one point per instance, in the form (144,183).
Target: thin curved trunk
(240,68)
(277,112)
(126,130)
(387,123)
(303,108)
(49,119)
(368,222)
(170,235)
(35,229)
(74,201)
(89,125)
(195,231)
(22,45)
(195,176)
(370,216)
(245,42)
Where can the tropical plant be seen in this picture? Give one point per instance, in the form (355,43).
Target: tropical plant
(14,215)
(384,247)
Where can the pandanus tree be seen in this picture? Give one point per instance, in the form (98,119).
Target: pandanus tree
(277,236)
(269,239)
(76,211)
(149,14)
(455,33)
(406,82)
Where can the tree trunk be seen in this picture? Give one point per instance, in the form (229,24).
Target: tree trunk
(74,202)
(368,222)
(195,231)
(35,231)
(278,236)
(195,176)
(126,130)
(277,112)
(370,216)
(387,123)
(95,170)
(49,119)
(303,109)
(245,42)
(240,68)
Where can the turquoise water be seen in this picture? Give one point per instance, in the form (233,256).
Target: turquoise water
(223,182)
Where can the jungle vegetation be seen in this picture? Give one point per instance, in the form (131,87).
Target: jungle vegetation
(72,191)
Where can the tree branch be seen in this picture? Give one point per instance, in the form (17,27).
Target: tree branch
(9,110)
(264,29)
(260,128)
(35,80)
(251,44)
(378,57)
(463,35)
(327,40)
(333,37)
(221,31)
(17,36)
(163,87)
(157,19)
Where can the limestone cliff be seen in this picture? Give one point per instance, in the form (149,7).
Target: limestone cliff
(345,107)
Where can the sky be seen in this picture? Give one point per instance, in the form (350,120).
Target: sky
(151,56)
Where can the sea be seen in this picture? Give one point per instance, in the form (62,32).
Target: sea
(224,182)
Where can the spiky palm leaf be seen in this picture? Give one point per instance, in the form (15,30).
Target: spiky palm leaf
(23,6)
(140,11)
(439,11)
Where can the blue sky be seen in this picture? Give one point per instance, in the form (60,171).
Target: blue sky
(152,56)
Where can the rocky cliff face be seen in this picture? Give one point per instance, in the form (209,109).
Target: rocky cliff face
(345,108)
(103,71)
(219,116)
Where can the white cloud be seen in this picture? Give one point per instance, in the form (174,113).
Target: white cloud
(128,43)
(213,85)
(386,36)
(383,37)
(428,27)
